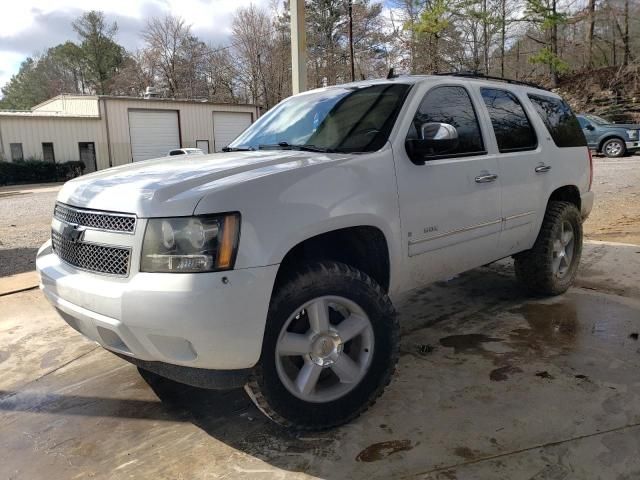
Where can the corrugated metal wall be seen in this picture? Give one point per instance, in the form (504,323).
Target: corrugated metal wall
(70,105)
(195,119)
(65,133)
(196,122)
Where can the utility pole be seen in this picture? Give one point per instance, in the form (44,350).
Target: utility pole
(485,34)
(503,31)
(298,47)
(353,69)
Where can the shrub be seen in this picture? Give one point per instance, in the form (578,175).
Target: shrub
(38,171)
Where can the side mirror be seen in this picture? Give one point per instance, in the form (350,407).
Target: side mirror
(590,127)
(435,139)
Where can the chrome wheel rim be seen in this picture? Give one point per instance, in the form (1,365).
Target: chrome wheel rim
(613,148)
(324,349)
(563,249)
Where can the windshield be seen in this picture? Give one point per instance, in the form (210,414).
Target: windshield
(596,119)
(337,119)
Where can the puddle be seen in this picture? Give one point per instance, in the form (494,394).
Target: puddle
(470,343)
(550,325)
(381,450)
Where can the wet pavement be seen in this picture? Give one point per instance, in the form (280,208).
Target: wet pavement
(490,384)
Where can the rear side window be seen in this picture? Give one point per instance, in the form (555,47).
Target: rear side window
(451,105)
(560,121)
(510,123)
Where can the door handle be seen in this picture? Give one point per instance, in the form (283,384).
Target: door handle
(486,178)
(542,168)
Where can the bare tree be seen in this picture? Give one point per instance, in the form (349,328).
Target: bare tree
(172,55)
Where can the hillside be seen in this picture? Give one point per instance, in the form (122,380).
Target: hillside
(611,92)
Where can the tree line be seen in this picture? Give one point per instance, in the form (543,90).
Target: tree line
(539,40)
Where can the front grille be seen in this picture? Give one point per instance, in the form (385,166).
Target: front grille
(91,257)
(114,222)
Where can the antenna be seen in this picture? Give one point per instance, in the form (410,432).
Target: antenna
(391,74)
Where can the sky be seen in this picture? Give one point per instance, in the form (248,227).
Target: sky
(32,26)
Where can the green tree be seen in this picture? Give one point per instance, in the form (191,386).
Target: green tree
(101,54)
(546,16)
(434,21)
(25,89)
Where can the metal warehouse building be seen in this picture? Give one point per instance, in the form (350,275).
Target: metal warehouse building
(105,131)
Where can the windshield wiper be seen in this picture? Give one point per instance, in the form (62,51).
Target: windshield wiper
(307,147)
(237,149)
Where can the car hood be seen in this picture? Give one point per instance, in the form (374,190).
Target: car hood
(173,186)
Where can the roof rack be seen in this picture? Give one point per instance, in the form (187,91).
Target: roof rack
(489,77)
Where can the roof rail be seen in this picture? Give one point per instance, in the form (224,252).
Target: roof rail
(489,77)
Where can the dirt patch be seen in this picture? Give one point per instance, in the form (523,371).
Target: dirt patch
(502,373)
(466,453)
(544,374)
(616,212)
(381,450)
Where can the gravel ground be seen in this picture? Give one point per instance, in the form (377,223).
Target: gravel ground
(616,213)
(25,217)
(25,222)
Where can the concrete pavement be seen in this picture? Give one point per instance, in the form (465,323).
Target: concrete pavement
(491,384)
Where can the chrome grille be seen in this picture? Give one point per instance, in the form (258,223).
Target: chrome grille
(95,258)
(113,222)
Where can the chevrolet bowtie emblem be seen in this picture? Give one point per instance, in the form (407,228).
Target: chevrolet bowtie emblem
(72,233)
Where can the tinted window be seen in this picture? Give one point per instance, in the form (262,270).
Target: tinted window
(510,122)
(451,105)
(560,121)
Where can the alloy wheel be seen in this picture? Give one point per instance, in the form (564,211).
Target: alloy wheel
(563,249)
(324,349)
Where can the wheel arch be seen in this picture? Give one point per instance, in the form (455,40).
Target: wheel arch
(566,193)
(607,138)
(364,247)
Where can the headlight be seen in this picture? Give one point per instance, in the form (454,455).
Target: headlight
(206,243)
(632,134)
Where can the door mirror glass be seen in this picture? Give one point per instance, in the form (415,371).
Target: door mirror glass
(435,139)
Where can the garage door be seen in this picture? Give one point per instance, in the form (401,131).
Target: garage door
(153,133)
(227,126)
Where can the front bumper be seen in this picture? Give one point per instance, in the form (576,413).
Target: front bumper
(193,320)
(633,146)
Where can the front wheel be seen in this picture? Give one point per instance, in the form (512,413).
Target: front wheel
(614,148)
(330,348)
(551,266)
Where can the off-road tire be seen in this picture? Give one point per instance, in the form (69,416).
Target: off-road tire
(311,281)
(621,153)
(534,267)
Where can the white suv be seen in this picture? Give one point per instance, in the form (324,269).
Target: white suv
(271,266)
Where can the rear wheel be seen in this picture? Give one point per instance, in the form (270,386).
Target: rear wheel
(330,348)
(550,267)
(614,148)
